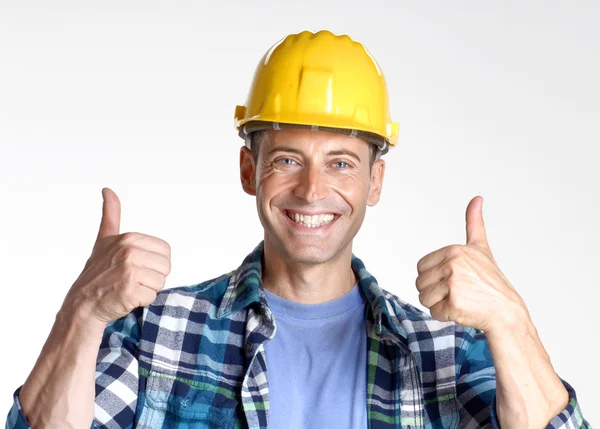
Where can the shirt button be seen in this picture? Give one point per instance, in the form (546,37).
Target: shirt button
(249,348)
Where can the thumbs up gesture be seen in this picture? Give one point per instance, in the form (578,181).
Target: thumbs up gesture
(462,283)
(124,271)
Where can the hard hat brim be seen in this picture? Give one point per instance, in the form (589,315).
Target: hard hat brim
(253,126)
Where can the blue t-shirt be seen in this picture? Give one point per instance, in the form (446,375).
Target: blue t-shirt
(317,363)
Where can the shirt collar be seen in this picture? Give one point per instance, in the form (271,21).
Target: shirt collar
(245,287)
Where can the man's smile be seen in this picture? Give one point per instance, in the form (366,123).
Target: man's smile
(310,221)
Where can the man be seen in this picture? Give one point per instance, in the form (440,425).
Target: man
(300,335)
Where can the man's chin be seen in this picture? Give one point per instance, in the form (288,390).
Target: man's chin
(309,259)
(304,249)
(309,253)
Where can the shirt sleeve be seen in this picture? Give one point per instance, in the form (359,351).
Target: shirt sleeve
(570,418)
(476,386)
(116,377)
(475,378)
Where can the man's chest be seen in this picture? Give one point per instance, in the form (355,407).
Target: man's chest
(219,378)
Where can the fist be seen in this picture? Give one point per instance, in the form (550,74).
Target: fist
(463,283)
(124,271)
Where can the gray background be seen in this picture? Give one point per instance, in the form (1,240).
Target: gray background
(494,99)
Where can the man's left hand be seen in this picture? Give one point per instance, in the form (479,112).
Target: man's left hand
(463,283)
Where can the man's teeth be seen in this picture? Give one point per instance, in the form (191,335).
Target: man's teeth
(311,221)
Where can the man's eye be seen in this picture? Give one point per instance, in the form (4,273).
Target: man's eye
(286,161)
(341,165)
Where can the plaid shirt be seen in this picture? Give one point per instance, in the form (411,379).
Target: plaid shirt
(195,358)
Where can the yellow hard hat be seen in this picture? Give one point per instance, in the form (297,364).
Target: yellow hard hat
(323,81)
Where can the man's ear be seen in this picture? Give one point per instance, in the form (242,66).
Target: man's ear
(377,172)
(247,171)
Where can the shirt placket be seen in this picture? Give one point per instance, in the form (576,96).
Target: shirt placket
(410,392)
(406,392)
(260,328)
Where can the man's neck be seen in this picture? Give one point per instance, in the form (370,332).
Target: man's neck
(307,283)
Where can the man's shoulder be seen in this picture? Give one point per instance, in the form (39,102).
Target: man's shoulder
(210,292)
(398,305)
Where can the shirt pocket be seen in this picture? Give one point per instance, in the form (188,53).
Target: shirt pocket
(176,403)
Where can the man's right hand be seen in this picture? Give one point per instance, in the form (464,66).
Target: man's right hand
(124,271)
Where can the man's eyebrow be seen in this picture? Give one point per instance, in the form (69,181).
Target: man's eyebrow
(285,149)
(343,152)
(337,152)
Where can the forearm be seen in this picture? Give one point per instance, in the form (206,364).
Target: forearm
(528,391)
(60,391)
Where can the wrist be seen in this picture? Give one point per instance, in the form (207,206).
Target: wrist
(64,371)
(79,318)
(511,322)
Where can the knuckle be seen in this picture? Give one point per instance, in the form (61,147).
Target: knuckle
(163,266)
(453,301)
(418,283)
(129,254)
(448,269)
(129,237)
(130,281)
(454,250)
(125,238)
(128,275)
(89,262)
(453,264)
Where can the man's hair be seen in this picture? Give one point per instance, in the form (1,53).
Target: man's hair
(257,137)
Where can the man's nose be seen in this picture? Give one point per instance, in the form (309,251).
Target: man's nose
(311,185)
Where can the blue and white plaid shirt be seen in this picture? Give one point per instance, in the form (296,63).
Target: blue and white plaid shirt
(195,359)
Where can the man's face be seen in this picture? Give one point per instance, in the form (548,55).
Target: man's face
(312,189)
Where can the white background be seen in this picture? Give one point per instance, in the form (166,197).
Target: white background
(497,99)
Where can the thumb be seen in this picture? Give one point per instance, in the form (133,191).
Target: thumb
(475,226)
(111,214)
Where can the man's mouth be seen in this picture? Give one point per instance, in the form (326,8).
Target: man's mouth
(311,221)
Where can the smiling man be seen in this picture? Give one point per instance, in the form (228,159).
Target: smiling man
(300,335)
